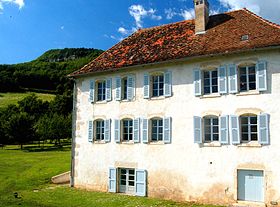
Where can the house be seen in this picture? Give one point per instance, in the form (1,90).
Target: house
(186,111)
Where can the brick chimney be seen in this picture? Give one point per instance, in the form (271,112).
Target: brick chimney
(201,15)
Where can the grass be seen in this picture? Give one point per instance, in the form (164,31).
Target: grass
(28,174)
(13,98)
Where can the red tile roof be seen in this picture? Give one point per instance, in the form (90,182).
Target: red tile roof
(178,40)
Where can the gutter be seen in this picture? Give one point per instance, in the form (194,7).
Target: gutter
(73,144)
(175,61)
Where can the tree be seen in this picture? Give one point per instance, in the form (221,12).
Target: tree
(20,128)
(54,127)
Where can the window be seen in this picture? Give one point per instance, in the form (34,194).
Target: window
(127,130)
(210,81)
(249,126)
(99,130)
(101,90)
(124,88)
(157,130)
(247,78)
(211,129)
(127,180)
(157,85)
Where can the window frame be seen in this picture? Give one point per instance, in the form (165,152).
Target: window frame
(249,128)
(159,135)
(212,125)
(102,133)
(129,129)
(247,76)
(211,86)
(103,89)
(158,83)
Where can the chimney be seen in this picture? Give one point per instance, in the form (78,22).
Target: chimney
(201,15)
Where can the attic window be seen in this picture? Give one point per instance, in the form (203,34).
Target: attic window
(244,37)
(199,2)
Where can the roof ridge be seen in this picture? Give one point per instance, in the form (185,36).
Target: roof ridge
(164,25)
(261,18)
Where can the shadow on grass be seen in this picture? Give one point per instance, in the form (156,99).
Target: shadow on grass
(36,148)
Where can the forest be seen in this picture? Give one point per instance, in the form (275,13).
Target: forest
(32,119)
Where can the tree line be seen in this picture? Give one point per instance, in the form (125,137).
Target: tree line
(35,120)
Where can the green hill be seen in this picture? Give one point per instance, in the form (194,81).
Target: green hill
(47,73)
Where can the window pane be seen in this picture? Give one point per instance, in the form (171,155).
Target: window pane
(242,70)
(252,86)
(215,137)
(206,90)
(215,129)
(254,137)
(131,183)
(244,137)
(207,82)
(244,129)
(254,128)
(124,89)
(215,121)
(123,182)
(207,122)
(207,137)
(253,120)
(206,74)
(244,120)
(214,74)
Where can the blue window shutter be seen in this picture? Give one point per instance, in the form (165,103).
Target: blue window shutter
(167,84)
(117,131)
(107,130)
(222,79)
(91,90)
(140,182)
(112,181)
(146,87)
(130,87)
(261,78)
(118,88)
(232,79)
(167,127)
(108,89)
(136,130)
(234,129)
(197,129)
(223,129)
(263,129)
(197,82)
(90,131)
(145,131)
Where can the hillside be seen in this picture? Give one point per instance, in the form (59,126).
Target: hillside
(47,73)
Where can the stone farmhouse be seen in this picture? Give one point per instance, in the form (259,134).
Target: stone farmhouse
(186,111)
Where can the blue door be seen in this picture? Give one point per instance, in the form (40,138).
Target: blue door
(250,185)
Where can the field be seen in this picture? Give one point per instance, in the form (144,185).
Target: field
(13,98)
(28,174)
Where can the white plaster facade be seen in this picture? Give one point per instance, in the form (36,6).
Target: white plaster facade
(181,170)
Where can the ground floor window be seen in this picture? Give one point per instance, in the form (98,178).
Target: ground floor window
(127,181)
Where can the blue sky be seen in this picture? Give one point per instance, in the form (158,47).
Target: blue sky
(28,28)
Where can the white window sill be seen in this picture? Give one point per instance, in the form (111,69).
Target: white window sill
(211,144)
(128,142)
(100,102)
(99,142)
(250,144)
(125,100)
(247,93)
(214,95)
(156,143)
(157,98)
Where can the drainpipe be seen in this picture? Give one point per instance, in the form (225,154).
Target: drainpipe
(73,145)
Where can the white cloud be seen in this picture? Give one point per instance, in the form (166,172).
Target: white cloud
(187,14)
(123,31)
(138,12)
(170,13)
(268,9)
(62,27)
(19,3)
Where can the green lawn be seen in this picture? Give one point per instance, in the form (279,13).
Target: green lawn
(13,98)
(28,174)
